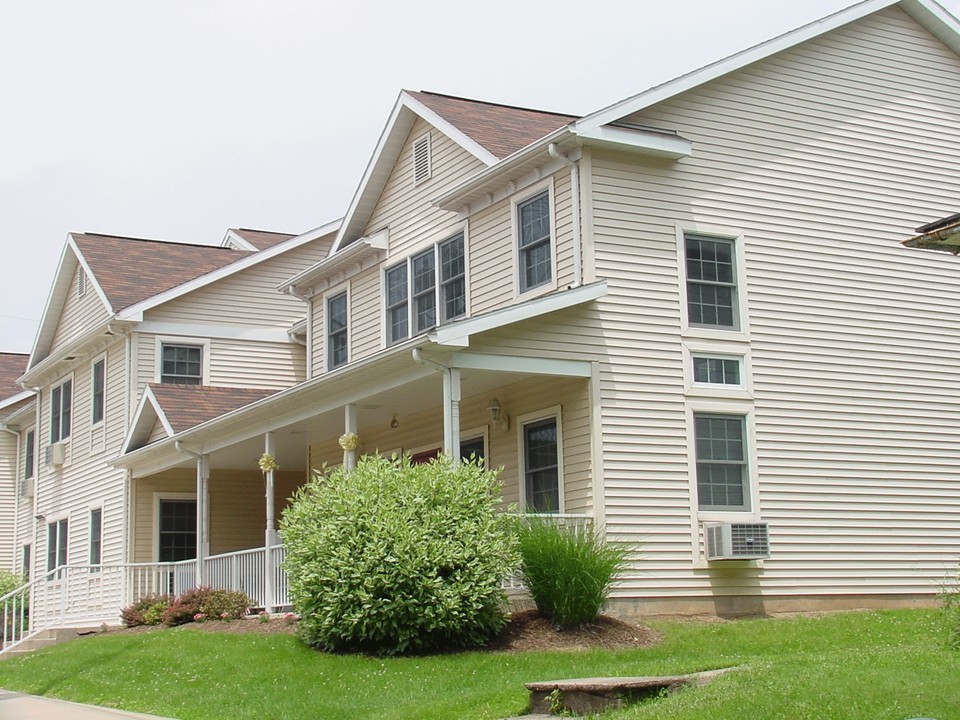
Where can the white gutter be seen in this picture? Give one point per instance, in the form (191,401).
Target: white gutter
(308,354)
(16,482)
(36,487)
(574,166)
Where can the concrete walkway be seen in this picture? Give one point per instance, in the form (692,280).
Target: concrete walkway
(15,706)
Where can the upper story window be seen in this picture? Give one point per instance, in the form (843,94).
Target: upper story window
(426,286)
(61,405)
(711,281)
(533,242)
(337,331)
(98,382)
(721,462)
(716,370)
(181,364)
(29,454)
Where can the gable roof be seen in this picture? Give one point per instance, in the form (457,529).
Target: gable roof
(501,129)
(12,366)
(260,239)
(181,407)
(130,270)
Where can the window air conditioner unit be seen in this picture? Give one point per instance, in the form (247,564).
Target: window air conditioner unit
(55,454)
(736,541)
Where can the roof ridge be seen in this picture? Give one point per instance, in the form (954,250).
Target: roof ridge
(159,242)
(268,232)
(496,104)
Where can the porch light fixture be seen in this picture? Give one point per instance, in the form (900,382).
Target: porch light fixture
(498,418)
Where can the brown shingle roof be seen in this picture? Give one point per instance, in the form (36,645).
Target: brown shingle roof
(12,366)
(188,405)
(130,270)
(501,129)
(262,239)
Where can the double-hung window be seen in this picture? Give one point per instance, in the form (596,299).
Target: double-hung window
(722,476)
(181,364)
(711,281)
(541,466)
(96,536)
(98,380)
(61,405)
(177,530)
(337,331)
(426,289)
(534,242)
(29,454)
(56,544)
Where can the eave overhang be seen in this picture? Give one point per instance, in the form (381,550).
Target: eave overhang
(945,239)
(337,267)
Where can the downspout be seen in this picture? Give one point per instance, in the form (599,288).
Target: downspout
(203,477)
(574,166)
(16,494)
(36,491)
(308,373)
(451,404)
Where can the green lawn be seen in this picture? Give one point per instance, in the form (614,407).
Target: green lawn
(855,666)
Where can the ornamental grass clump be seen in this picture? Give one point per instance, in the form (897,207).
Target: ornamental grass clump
(950,598)
(397,558)
(569,573)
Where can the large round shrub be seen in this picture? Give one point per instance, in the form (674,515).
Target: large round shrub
(398,558)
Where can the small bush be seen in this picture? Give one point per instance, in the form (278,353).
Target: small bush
(204,603)
(568,573)
(10,581)
(148,610)
(398,558)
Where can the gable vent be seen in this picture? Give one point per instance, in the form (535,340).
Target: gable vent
(81,283)
(421,158)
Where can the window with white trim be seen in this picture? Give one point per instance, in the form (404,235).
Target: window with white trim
(96,536)
(177,529)
(426,289)
(25,558)
(535,253)
(29,454)
(541,465)
(711,281)
(722,470)
(56,544)
(181,364)
(473,448)
(98,375)
(61,407)
(716,370)
(337,331)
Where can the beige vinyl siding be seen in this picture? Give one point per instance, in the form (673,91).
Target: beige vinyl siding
(823,157)
(493,269)
(423,431)
(406,207)
(79,314)
(237,507)
(9,476)
(159,432)
(86,479)
(23,530)
(248,297)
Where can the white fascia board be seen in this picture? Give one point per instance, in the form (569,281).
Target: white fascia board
(649,143)
(384,157)
(14,399)
(215,331)
(731,64)
(91,278)
(353,253)
(453,197)
(25,416)
(135,312)
(148,412)
(517,364)
(75,347)
(457,334)
(937,20)
(232,239)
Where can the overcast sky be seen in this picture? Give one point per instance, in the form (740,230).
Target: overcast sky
(179,119)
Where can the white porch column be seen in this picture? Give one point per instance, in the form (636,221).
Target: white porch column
(203,530)
(270,536)
(349,426)
(451,414)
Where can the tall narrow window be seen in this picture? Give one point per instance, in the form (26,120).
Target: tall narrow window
(424,282)
(98,378)
(711,282)
(541,466)
(453,286)
(178,530)
(397,324)
(337,334)
(96,536)
(29,454)
(721,462)
(61,404)
(56,544)
(181,364)
(533,217)
(25,560)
